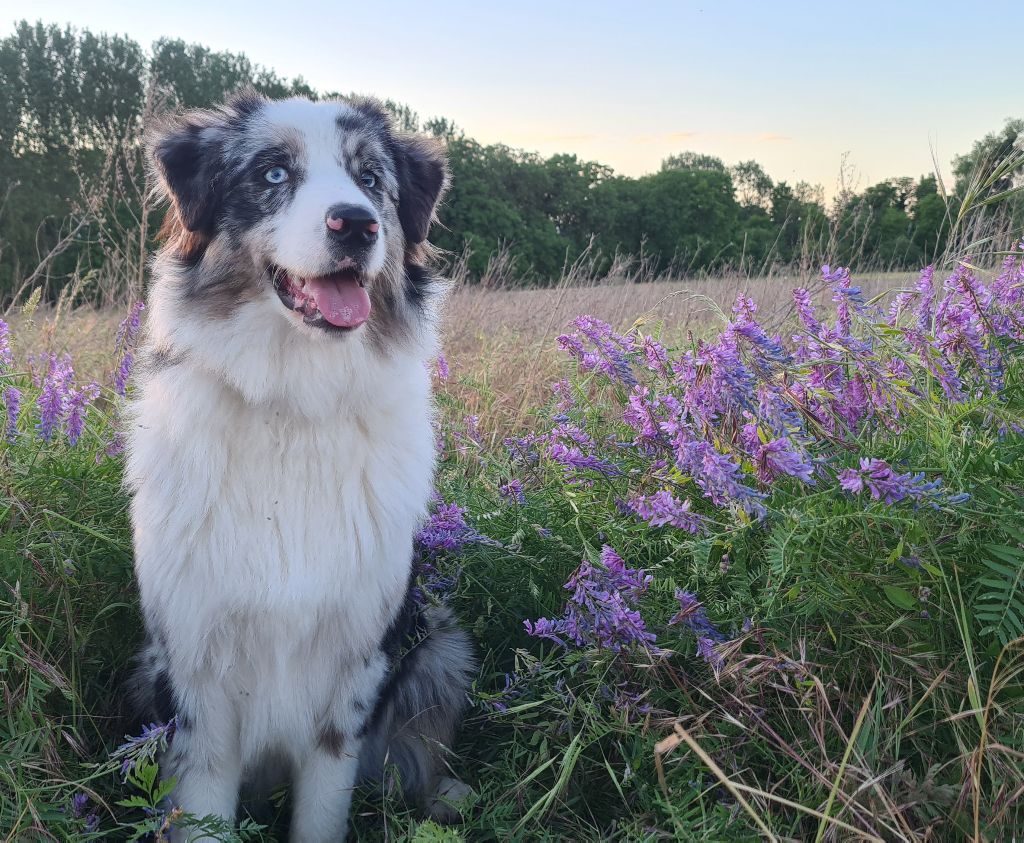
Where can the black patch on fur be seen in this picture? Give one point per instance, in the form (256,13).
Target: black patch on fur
(190,159)
(246,101)
(331,740)
(422,179)
(399,648)
(418,282)
(249,197)
(153,360)
(165,701)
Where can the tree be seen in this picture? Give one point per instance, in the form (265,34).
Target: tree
(693,161)
(753,184)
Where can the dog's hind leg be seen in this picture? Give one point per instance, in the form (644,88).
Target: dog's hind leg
(419,710)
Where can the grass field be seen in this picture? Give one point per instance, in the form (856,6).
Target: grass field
(795,594)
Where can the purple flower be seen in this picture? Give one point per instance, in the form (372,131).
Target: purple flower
(471,434)
(78,804)
(53,398)
(128,330)
(610,354)
(706,650)
(926,299)
(78,403)
(845,295)
(719,476)
(755,334)
(6,357)
(641,415)
(655,355)
(780,457)
(889,486)
(805,309)
(446,530)
(694,617)
(662,508)
(513,491)
(563,391)
(851,481)
(155,738)
(114,447)
(443,372)
(523,450)
(573,459)
(601,612)
(12,404)
(123,373)
(573,435)
(553,630)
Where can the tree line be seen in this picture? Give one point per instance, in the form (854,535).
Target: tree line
(73,202)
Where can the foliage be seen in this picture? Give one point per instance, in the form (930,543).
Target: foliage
(757,585)
(73,104)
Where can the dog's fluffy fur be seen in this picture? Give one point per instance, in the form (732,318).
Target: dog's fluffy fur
(280,464)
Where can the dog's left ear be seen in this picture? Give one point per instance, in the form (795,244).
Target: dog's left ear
(423,178)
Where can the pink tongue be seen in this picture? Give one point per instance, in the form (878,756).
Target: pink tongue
(340,299)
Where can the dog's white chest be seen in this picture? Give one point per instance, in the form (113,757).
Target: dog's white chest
(259,513)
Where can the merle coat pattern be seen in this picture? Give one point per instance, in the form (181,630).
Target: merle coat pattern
(280,458)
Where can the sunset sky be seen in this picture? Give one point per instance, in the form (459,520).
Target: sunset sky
(793,85)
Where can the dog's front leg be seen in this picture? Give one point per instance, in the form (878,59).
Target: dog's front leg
(204,759)
(323,788)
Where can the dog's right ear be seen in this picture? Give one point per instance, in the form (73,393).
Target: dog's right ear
(187,157)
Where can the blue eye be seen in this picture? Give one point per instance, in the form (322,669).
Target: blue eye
(368,179)
(276,175)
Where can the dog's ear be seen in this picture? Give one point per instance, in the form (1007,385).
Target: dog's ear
(423,178)
(187,159)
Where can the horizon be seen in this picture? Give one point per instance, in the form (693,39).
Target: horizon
(678,107)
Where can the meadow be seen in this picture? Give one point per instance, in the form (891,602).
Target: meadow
(741,563)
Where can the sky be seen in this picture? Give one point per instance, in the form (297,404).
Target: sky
(886,87)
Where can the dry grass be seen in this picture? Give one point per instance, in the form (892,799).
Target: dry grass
(500,343)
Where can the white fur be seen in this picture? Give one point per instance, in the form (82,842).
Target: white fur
(278,476)
(297,238)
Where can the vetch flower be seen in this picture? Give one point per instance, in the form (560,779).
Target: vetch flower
(6,357)
(513,491)
(889,486)
(78,403)
(573,459)
(12,405)
(443,372)
(155,738)
(693,616)
(123,373)
(52,401)
(128,330)
(446,530)
(663,509)
(601,612)
(805,309)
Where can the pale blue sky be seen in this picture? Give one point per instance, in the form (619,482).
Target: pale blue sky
(794,85)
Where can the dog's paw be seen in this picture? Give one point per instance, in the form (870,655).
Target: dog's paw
(449,800)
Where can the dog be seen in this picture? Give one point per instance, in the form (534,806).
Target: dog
(280,456)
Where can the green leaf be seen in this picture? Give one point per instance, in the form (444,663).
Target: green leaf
(900,597)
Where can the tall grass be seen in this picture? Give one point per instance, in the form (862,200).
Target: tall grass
(761,636)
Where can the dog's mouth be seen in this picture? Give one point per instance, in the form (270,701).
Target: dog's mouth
(338,300)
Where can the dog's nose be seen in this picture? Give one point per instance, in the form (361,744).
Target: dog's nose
(352,224)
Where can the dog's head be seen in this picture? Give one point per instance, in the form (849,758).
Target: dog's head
(316,209)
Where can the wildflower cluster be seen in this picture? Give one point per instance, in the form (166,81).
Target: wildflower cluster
(62,403)
(145,747)
(727,420)
(602,610)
